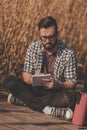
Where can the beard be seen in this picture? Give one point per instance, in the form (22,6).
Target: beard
(49,46)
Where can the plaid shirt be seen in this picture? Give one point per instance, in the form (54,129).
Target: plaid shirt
(65,68)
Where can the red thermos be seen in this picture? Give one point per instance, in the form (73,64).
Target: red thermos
(80,111)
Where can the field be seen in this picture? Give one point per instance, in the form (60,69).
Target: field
(18,28)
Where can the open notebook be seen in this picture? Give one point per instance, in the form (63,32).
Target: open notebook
(37,79)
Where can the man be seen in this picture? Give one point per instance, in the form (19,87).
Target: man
(56,96)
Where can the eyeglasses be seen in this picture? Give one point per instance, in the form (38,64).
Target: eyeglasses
(44,38)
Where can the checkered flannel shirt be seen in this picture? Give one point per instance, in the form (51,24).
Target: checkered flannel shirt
(65,68)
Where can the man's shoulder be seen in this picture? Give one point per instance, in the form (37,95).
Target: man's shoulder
(35,45)
(64,48)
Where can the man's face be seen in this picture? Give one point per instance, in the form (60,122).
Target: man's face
(48,37)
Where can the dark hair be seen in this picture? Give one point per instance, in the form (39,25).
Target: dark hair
(47,22)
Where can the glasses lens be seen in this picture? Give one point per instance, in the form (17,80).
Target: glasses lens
(44,38)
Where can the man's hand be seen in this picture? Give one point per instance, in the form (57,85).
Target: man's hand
(38,73)
(49,83)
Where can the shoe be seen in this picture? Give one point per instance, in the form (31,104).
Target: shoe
(64,113)
(13,100)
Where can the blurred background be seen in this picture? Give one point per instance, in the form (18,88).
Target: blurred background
(18,28)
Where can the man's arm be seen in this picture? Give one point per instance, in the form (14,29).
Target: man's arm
(27,77)
(51,83)
(67,84)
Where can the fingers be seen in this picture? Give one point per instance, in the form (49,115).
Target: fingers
(49,83)
(38,73)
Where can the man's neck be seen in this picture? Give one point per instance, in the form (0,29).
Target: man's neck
(53,51)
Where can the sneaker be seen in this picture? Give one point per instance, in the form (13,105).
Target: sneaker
(13,100)
(65,113)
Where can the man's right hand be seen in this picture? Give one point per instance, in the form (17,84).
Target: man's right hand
(27,77)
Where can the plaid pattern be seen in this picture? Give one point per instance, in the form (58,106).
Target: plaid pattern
(65,68)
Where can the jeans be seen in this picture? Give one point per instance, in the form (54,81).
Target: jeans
(38,97)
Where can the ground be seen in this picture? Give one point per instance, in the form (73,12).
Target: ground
(14,117)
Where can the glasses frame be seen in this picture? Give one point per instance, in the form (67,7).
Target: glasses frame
(44,38)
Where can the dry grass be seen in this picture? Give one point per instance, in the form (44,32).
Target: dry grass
(18,28)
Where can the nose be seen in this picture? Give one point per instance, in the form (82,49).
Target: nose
(47,39)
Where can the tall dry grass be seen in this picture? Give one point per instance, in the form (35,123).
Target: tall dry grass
(18,28)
